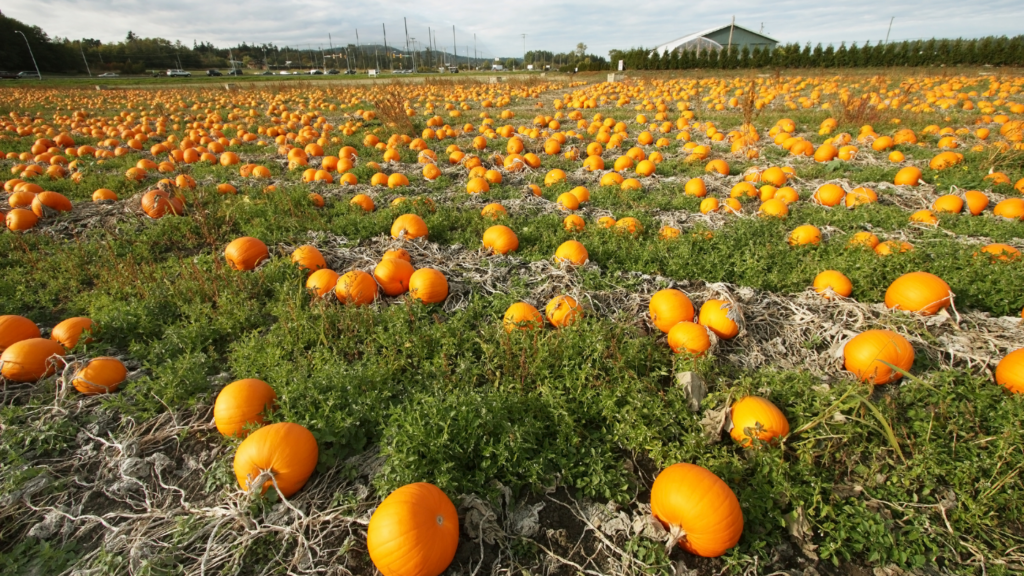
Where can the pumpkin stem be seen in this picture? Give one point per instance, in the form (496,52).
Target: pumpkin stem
(676,534)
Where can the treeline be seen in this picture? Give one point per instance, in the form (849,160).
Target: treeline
(567,61)
(991,50)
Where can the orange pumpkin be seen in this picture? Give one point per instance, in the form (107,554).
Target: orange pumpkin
(1010,371)
(428,286)
(835,281)
(698,509)
(409,227)
(909,176)
(1012,208)
(157,204)
(718,317)
(669,307)
(356,287)
(15,329)
(869,356)
(100,376)
(689,337)
(756,417)
(70,331)
(976,201)
(1002,252)
(241,404)
(246,253)
(563,311)
(19,219)
(414,532)
(804,235)
(522,316)
(918,292)
(322,281)
(50,201)
(572,252)
(500,239)
(828,195)
(29,360)
(400,253)
(308,258)
(284,450)
(393,276)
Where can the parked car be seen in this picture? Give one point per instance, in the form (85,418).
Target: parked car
(27,75)
(109,75)
(236,72)
(315,72)
(333,71)
(213,73)
(284,73)
(267,73)
(8,75)
(175,73)
(350,71)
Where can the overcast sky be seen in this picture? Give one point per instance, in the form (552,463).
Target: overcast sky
(549,25)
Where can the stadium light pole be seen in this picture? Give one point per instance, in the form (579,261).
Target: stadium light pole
(30,53)
(524,51)
(890,30)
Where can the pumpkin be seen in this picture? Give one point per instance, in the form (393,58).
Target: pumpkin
(157,204)
(284,450)
(408,226)
(522,316)
(428,286)
(1012,208)
(1003,252)
(863,239)
(393,276)
(860,196)
(1010,371)
(695,187)
(572,252)
(892,246)
(581,193)
(976,201)
(414,532)
(50,201)
(803,235)
(718,317)
(494,211)
(869,354)
(308,258)
(774,208)
(363,201)
(19,219)
(835,281)
(70,331)
(563,311)
(918,292)
(246,253)
(909,176)
(356,287)
(29,360)
(322,281)
(700,511)
(629,225)
(500,239)
(606,221)
(15,329)
(568,201)
(573,223)
(401,254)
(948,204)
(688,337)
(925,217)
(709,205)
(669,307)
(756,417)
(100,376)
(241,404)
(828,195)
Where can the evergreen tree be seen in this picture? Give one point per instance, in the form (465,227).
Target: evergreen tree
(805,57)
(828,57)
(841,56)
(744,58)
(674,60)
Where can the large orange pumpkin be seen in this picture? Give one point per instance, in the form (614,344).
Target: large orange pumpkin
(356,287)
(29,360)
(414,532)
(322,281)
(428,286)
(500,239)
(714,315)
(242,403)
(50,201)
(563,311)
(573,252)
(1010,371)
(100,376)
(689,337)
(70,331)
(756,417)
(834,280)
(408,226)
(869,355)
(285,450)
(246,253)
(393,275)
(918,292)
(700,510)
(669,307)
(522,316)
(15,329)
(308,258)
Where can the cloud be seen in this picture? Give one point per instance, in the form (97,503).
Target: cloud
(601,24)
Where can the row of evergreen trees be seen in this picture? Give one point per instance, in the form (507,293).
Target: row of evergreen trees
(993,51)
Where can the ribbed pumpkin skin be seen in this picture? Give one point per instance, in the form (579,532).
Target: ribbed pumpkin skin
(700,503)
(308,258)
(428,286)
(100,376)
(573,252)
(522,316)
(20,219)
(414,532)
(670,307)
(246,253)
(835,280)
(241,403)
(51,200)
(356,287)
(322,281)
(863,355)
(501,239)
(714,315)
(15,329)
(689,337)
(563,311)
(752,411)
(27,360)
(806,234)
(393,276)
(918,292)
(411,224)
(1010,372)
(288,450)
(69,332)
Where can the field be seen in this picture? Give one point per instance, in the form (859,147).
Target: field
(546,439)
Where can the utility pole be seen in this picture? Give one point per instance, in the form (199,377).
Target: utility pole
(890,30)
(413,55)
(731,27)
(386,45)
(376,58)
(524,50)
(232,59)
(358,51)
(474,46)
(406,23)
(455,50)
(330,42)
(84,60)
(323,59)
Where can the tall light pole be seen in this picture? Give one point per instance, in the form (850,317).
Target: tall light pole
(30,53)
(524,51)
(890,30)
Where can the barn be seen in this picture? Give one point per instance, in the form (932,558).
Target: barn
(719,38)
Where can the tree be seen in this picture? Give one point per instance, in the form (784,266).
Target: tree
(581,49)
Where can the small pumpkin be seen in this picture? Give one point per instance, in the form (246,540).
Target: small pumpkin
(718,317)
(414,532)
(572,252)
(669,307)
(756,417)
(409,227)
(909,176)
(308,258)
(393,276)
(500,239)
(835,281)
(869,354)
(522,316)
(919,292)
(322,281)
(688,337)
(15,329)
(428,286)
(356,287)
(101,375)
(1002,252)
(242,403)
(805,235)
(563,311)
(285,450)
(1010,371)
(70,331)
(700,511)
(29,360)
(400,253)
(246,253)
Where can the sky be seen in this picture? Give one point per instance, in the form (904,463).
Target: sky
(555,26)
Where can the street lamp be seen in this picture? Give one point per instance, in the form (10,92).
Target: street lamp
(30,53)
